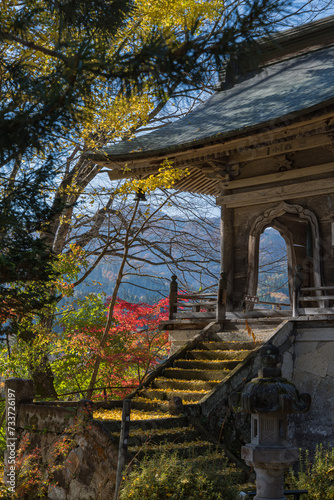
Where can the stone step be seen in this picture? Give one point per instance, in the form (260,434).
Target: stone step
(167,383)
(260,335)
(203,354)
(239,324)
(167,395)
(228,345)
(195,374)
(189,449)
(206,364)
(173,429)
(150,405)
(159,423)
(138,437)
(148,424)
(175,436)
(183,335)
(147,405)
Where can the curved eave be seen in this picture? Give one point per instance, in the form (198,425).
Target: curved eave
(192,155)
(222,137)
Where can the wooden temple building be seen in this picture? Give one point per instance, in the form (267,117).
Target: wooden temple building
(263,145)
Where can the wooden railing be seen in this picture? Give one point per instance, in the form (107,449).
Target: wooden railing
(315,294)
(249,299)
(212,305)
(202,305)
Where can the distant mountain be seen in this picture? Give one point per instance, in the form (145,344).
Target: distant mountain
(153,281)
(273,268)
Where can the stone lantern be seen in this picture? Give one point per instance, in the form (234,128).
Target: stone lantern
(270,398)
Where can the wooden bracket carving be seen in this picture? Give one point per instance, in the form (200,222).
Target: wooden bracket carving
(284,162)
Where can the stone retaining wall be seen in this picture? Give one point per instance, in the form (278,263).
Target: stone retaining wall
(309,364)
(74,450)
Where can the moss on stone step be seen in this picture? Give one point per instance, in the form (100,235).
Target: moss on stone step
(168,394)
(176,437)
(206,364)
(228,345)
(186,449)
(168,383)
(218,354)
(197,374)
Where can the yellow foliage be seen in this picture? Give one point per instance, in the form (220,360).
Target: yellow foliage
(114,118)
(250,331)
(105,112)
(176,14)
(165,179)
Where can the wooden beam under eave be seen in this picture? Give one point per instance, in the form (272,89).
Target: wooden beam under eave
(255,144)
(194,182)
(198,184)
(283,147)
(280,176)
(194,174)
(279,193)
(209,188)
(212,186)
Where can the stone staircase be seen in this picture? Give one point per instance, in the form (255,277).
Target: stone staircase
(196,374)
(170,400)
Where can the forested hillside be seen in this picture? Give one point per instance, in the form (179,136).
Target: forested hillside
(152,283)
(273,275)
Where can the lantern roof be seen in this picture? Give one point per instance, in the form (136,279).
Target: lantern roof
(269,392)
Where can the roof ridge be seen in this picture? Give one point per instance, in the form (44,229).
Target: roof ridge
(278,47)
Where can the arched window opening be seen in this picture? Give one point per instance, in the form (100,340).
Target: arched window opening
(273,280)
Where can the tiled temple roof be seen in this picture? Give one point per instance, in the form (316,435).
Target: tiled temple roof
(282,89)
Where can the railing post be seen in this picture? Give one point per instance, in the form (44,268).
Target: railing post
(221,298)
(173,297)
(123,444)
(297,283)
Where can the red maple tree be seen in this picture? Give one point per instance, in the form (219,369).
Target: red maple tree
(135,345)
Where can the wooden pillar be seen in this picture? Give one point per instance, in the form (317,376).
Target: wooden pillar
(221,299)
(252,267)
(297,284)
(227,252)
(173,289)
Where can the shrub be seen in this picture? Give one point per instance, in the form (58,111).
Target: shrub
(317,476)
(166,475)
(33,474)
